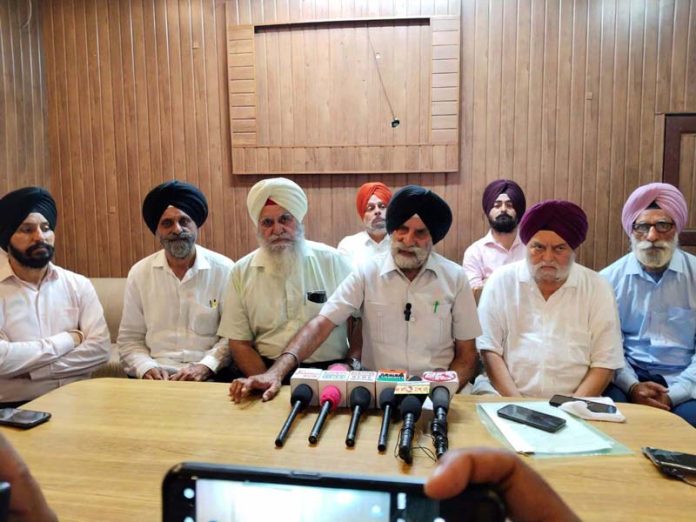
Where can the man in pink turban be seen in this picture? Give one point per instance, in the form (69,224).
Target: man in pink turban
(655,287)
(503,205)
(371,203)
(549,324)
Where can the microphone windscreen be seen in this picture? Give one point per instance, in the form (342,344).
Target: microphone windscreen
(302,393)
(386,397)
(440,397)
(360,396)
(411,404)
(332,395)
(338,367)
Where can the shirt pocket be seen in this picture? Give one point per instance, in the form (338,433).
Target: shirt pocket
(675,327)
(64,319)
(204,320)
(383,320)
(443,323)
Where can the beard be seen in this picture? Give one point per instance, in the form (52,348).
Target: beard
(541,275)
(180,245)
(377,226)
(406,262)
(654,254)
(285,251)
(504,223)
(33,257)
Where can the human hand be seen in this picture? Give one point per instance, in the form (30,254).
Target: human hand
(194,372)
(156,374)
(527,496)
(268,382)
(650,394)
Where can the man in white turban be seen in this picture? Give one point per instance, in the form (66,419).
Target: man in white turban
(277,288)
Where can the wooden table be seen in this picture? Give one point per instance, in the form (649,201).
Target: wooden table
(103,454)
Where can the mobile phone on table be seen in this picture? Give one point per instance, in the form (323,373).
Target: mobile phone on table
(207,492)
(24,419)
(533,418)
(672,463)
(596,407)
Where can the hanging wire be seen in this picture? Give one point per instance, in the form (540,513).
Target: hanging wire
(395,121)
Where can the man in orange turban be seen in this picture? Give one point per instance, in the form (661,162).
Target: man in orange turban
(371,203)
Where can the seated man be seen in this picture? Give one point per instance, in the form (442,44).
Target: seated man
(655,286)
(174,297)
(371,202)
(418,310)
(549,324)
(503,205)
(281,285)
(52,327)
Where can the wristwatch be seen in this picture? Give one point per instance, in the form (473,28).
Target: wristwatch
(354,363)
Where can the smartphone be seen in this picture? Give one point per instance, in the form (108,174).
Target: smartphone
(672,462)
(4,501)
(596,407)
(209,492)
(24,419)
(533,418)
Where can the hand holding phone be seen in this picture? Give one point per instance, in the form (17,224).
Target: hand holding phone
(24,419)
(595,407)
(533,418)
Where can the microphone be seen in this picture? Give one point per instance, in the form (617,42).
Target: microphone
(440,397)
(300,398)
(309,377)
(410,409)
(360,399)
(329,400)
(386,401)
(407,312)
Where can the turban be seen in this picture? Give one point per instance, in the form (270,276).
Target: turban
(666,196)
(504,186)
(367,190)
(177,194)
(17,205)
(431,208)
(562,217)
(281,191)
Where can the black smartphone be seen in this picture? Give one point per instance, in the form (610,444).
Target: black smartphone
(533,418)
(4,501)
(596,407)
(24,419)
(209,492)
(672,462)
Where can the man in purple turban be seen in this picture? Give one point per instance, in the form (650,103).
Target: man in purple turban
(503,205)
(655,286)
(549,324)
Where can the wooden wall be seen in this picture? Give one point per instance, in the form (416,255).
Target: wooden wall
(562,96)
(24,158)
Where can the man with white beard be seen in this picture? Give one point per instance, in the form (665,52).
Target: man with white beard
(280,286)
(417,308)
(655,286)
(549,324)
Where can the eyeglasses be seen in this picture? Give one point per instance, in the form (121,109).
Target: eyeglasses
(284,219)
(661,226)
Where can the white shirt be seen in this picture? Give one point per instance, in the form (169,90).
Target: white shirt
(548,346)
(361,247)
(36,352)
(171,323)
(485,255)
(269,309)
(442,310)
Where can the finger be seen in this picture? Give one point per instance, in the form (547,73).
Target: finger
(148,377)
(657,404)
(164,375)
(656,387)
(271,392)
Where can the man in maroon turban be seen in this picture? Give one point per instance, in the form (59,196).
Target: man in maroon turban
(549,324)
(371,204)
(503,205)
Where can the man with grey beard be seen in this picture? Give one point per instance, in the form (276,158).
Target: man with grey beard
(549,324)
(174,297)
(280,286)
(655,286)
(417,308)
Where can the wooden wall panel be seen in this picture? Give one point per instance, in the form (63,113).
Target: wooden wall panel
(23,142)
(563,96)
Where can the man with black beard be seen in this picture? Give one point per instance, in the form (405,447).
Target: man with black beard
(174,297)
(417,309)
(655,286)
(503,205)
(278,287)
(52,327)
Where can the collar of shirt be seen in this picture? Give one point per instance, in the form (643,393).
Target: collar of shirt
(525,275)
(262,258)
(677,264)
(367,240)
(388,265)
(6,271)
(488,239)
(200,263)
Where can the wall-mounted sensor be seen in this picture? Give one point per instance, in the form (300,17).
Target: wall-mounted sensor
(395,123)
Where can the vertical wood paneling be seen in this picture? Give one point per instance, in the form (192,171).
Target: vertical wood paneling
(563,96)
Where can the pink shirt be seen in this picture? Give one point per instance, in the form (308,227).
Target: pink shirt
(485,255)
(36,352)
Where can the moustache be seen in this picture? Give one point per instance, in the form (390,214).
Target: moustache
(647,245)
(183,236)
(37,246)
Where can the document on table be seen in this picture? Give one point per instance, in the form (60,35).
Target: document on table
(576,437)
